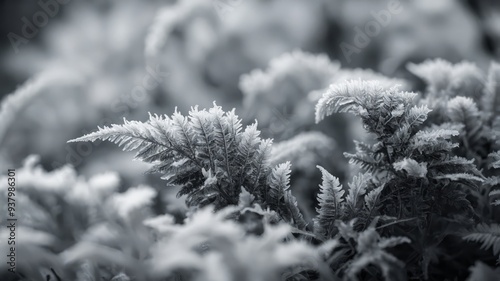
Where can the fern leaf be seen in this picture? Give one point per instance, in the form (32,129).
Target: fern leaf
(260,167)
(330,200)
(430,141)
(459,177)
(464,111)
(366,157)
(202,123)
(495,193)
(350,96)
(462,108)
(368,75)
(279,182)
(365,161)
(417,115)
(495,157)
(382,110)
(227,128)
(185,134)
(205,153)
(296,217)
(372,197)
(247,150)
(487,235)
(433,135)
(357,188)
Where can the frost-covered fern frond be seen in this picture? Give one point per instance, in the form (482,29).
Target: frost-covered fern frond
(366,157)
(372,198)
(464,110)
(432,141)
(368,75)
(15,102)
(280,198)
(363,98)
(396,122)
(487,235)
(495,157)
(412,166)
(189,151)
(209,155)
(357,188)
(330,208)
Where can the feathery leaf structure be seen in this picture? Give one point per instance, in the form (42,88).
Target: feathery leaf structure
(330,208)
(405,157)
(487,235)
(209,155)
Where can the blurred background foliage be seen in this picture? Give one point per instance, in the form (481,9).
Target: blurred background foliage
(98,61)
(269,59)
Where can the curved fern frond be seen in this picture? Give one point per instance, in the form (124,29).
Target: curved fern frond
(182,148)
(357,188)
(372,198)
(487,235)
(383,110)
(210,157)
(352,96)
(279,182)
(331,203)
